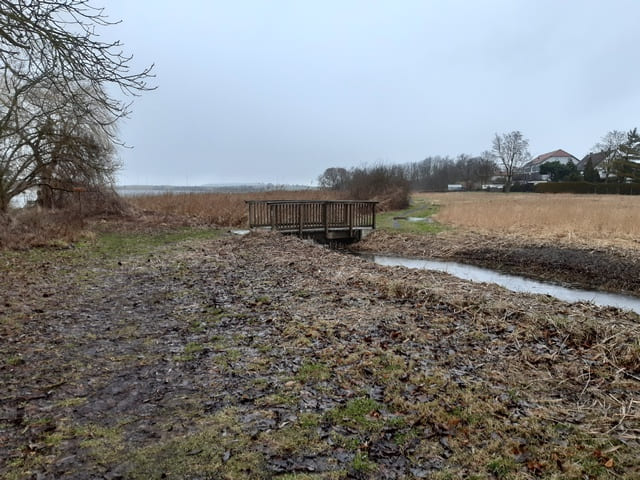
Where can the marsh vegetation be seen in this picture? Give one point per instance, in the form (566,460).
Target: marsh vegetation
(157,346)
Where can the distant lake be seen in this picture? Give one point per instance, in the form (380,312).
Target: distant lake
(133,190)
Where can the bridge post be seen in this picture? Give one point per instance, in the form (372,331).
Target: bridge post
(325,218)
(300,219)
(272,216)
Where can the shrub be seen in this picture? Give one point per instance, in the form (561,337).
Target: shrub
(523,187)
(586,187)
(387,185)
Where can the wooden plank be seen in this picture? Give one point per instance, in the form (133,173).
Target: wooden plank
(312,215)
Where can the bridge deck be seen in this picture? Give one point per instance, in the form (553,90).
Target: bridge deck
(333,219)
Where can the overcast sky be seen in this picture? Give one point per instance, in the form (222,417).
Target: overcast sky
(277,91)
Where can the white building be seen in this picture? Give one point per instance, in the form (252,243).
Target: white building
(532,168)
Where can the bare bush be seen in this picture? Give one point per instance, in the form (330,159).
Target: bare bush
(30,227)
(387,185)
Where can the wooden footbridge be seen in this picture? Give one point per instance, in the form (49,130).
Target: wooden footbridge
(343,220)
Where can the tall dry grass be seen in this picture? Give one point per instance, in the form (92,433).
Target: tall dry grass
(222,209)
(23,228)
(583,218)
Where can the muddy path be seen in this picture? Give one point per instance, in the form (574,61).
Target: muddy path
(271,357)
(586,266)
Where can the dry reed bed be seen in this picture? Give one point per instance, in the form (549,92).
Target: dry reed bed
(583,219)
(222,209)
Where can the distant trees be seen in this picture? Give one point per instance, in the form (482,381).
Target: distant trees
(385,183)
(430,174)
(559,172)
(57,117)
(388,184)
(621,153)
(512,151)
(334,178)
(590,173)
(609,145)
(486,167)
(627,158)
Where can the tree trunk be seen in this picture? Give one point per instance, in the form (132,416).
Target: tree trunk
(507,184)
(5,200)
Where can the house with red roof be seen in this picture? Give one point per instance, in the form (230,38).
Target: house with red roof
(532,169)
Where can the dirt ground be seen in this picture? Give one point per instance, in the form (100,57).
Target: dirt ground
(588,265)
(205,356)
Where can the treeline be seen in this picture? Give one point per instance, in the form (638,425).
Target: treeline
(430,174)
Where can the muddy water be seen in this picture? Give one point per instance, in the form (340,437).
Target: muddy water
(514,283)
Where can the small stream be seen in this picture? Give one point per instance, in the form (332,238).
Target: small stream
(513,282)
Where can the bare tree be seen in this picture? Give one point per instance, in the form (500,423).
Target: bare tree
(57,150)
(466,170)
(512,151)
(486,167)
(55,73)
(334,178)
(610,144)
(60,40)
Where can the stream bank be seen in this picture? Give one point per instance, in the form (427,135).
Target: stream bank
(608,269)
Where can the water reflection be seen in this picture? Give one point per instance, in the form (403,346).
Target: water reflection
(513,282)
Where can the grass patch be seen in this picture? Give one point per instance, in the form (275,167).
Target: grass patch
(15,360)
(191,351)
(217,450)
(105,444)
(71,402)
(501,467)
(299,438)
(125,244)
(362,413)
(362,464)
(337,475)
(420,212)
(313,372)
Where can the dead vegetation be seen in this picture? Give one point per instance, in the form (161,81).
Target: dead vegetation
(40,227)
(222,209)
(270,357)
(595,220)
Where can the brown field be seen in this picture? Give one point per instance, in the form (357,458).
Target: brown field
(198,354)
(223,209)
(599,219)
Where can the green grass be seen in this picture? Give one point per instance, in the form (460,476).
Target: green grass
(119,244)
(418,209)
(358,413)
(217,450)
(313,372)
(501,467)
(107,247)
(361,463)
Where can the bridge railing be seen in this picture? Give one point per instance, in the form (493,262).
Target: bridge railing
(312,215)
